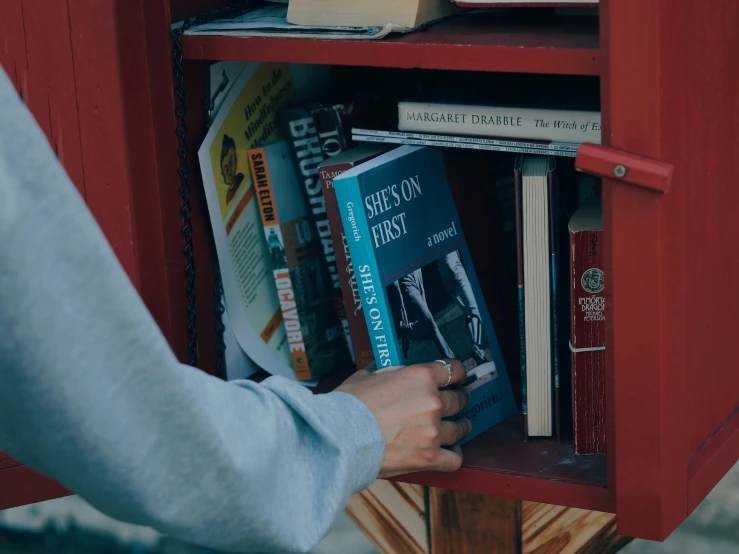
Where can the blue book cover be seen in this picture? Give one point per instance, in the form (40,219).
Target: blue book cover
(422,300)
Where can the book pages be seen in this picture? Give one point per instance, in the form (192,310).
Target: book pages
(537,285)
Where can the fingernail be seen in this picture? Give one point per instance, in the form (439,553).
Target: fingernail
(457,449)
(468,427)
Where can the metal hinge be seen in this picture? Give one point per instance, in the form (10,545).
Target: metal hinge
(609,163)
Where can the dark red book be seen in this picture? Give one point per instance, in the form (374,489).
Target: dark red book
(587,331)
(358,336)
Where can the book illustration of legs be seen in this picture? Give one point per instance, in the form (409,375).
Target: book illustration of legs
(457,284)
(435,304)
(416,321)
(475,327)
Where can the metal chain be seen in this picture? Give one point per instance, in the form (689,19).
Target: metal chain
(221,367)
(220,309)
(186,209)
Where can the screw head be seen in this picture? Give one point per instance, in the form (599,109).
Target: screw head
(619,171)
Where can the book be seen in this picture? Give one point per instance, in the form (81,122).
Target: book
(352,303)
(534,123)
(587,328)
(536,219)
(309,149)
(314,336)
(421,297)
(333,126)
(319,130)
(246,117)
(271,20)
(566,149)
(408,14)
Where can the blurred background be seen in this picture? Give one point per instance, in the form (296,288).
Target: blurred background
(71,526)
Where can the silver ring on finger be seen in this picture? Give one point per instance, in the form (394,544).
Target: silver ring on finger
(449,369)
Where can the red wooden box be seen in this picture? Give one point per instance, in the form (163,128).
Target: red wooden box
(98,77)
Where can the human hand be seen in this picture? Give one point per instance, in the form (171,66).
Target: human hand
(409,408)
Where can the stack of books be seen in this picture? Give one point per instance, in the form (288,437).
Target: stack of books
(342,220)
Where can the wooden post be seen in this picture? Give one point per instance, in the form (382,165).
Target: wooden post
(466,523)
(400,518)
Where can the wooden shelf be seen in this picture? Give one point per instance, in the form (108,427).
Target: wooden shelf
(537,43)
(500,463)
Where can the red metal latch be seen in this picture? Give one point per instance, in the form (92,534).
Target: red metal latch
(609,163)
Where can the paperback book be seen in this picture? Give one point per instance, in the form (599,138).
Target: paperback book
(536,241)
(306,145)
(328,171)
(421,297)
(524,108)
(558,125)
(565,149)
(244,117)
(314,335)
(317,131)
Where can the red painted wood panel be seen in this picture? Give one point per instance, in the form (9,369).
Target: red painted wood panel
(21,485)
(159,79)
(39,59)
(709,165)
(142,161)
(519,487)
(492,42)
(674,316)
(159,76)
(649,379)
(605,93)
(702,48)
(12,41)
(713,460)
(103,135)
(6,461)
(64,58)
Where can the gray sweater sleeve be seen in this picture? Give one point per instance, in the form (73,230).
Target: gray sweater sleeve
(91,394)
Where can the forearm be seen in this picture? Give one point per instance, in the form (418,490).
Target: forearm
(91,394)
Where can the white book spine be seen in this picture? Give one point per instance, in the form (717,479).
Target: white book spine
(506,122)
(548,145)
(544,151)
